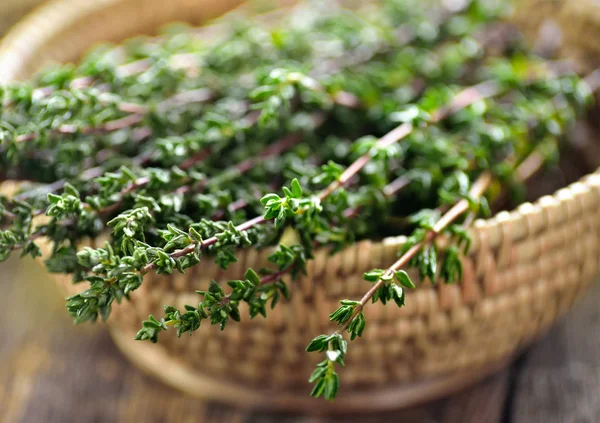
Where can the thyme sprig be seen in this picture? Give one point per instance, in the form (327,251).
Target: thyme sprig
(388,285)
(451,267)
(87,306)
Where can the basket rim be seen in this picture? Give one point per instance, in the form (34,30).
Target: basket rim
(502,228)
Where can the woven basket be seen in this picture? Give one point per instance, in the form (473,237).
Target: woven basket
(524,271)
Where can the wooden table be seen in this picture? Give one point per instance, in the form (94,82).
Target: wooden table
(51,372)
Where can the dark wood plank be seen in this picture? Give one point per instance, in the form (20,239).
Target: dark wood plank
(560,378)
(482,403)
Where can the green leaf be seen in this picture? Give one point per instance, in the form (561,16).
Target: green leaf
(280,219)
(397,295)
(71,190)
(332,386)
(287,192)
(252,276)
(404,279)
(317,374)
(296,188)
(53,198)
(373,275)
(319,343)
(269,197)
(318,388)
(215,288)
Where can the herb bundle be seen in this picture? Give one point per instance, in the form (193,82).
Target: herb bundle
(191,147)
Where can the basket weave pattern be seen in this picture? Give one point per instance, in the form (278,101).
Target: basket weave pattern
(524,270)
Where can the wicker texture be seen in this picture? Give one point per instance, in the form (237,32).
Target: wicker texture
(573,27)
(524,271)
(12,10)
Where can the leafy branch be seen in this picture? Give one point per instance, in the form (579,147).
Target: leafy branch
(388,285)
(190,245)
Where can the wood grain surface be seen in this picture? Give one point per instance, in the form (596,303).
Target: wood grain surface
(52,372)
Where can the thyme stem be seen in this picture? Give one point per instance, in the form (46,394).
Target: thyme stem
(137,114)
(479,187)
(463,99)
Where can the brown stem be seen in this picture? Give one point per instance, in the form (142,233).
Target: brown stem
(525,171)
(32,237)
(200,95)
(8,214)
(529,167)
(389,190)
(113,125)
(464,98)
(272,150)
(388,139)
(478,188)
(285,143)
(231,208)
(88,174)
(276,276)
(137,113)
(143,181)
(396,185)
(265,280)
(593,80)
(259,220)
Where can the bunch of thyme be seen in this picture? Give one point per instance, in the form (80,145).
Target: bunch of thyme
(188,148)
